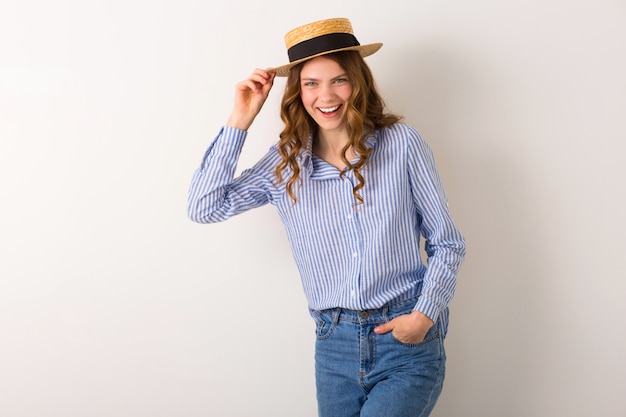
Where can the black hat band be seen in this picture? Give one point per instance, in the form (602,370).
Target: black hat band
(319,44)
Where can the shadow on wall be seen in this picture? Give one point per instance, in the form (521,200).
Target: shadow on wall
(465,112)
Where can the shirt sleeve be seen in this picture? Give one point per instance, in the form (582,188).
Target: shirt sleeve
(445,246)
(215,194)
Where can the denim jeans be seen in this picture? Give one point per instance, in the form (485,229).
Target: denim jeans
(363,374)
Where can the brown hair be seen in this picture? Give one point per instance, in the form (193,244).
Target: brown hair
(365,115)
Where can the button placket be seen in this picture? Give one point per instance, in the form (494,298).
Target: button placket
(352,225)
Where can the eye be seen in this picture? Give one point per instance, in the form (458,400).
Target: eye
(341,80)
(309,84)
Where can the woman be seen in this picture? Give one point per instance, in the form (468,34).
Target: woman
(355,189)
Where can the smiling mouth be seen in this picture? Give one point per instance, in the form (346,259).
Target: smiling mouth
(328,110)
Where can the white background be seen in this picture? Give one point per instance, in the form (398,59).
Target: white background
(113,303)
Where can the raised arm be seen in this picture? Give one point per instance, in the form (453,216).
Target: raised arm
(215,194)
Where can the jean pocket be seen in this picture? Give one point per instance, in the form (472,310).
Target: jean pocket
(325,325)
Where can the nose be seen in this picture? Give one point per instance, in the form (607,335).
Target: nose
(326,93)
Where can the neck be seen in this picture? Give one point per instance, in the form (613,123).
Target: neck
(330,143)
(329,147)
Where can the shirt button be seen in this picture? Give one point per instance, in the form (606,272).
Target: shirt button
(349,216)
(354,254)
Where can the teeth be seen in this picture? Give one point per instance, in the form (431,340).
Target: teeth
(328,109)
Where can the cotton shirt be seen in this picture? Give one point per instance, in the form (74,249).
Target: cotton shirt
(348,255)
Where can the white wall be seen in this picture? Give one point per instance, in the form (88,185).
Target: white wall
(112,303)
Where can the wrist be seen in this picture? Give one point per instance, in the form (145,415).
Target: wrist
(238,122)
(419,316)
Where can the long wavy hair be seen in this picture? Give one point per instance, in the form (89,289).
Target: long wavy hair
(365,114)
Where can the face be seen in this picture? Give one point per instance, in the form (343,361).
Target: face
(325,93)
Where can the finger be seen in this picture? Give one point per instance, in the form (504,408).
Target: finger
(384,328)
(261,76)
(264,73)
(249,85)
(268,86)
(259,79)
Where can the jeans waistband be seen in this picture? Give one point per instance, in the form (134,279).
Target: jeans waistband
(373,315)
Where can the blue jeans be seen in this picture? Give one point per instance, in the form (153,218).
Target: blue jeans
(362,374)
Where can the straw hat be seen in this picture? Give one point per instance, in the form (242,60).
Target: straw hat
(321,38)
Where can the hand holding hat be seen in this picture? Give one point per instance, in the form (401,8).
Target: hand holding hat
(250,95)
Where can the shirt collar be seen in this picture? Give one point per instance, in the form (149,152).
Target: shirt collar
(315,168)
(305,159)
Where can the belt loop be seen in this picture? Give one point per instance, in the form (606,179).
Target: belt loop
(336,315)
(385,315)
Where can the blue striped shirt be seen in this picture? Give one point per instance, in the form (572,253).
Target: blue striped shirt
(356,257)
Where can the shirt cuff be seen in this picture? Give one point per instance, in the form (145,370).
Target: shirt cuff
(230,133)
(431,310)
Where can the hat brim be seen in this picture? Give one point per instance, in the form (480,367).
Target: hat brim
(364,50)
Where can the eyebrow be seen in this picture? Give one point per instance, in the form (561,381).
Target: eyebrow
(315,79)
